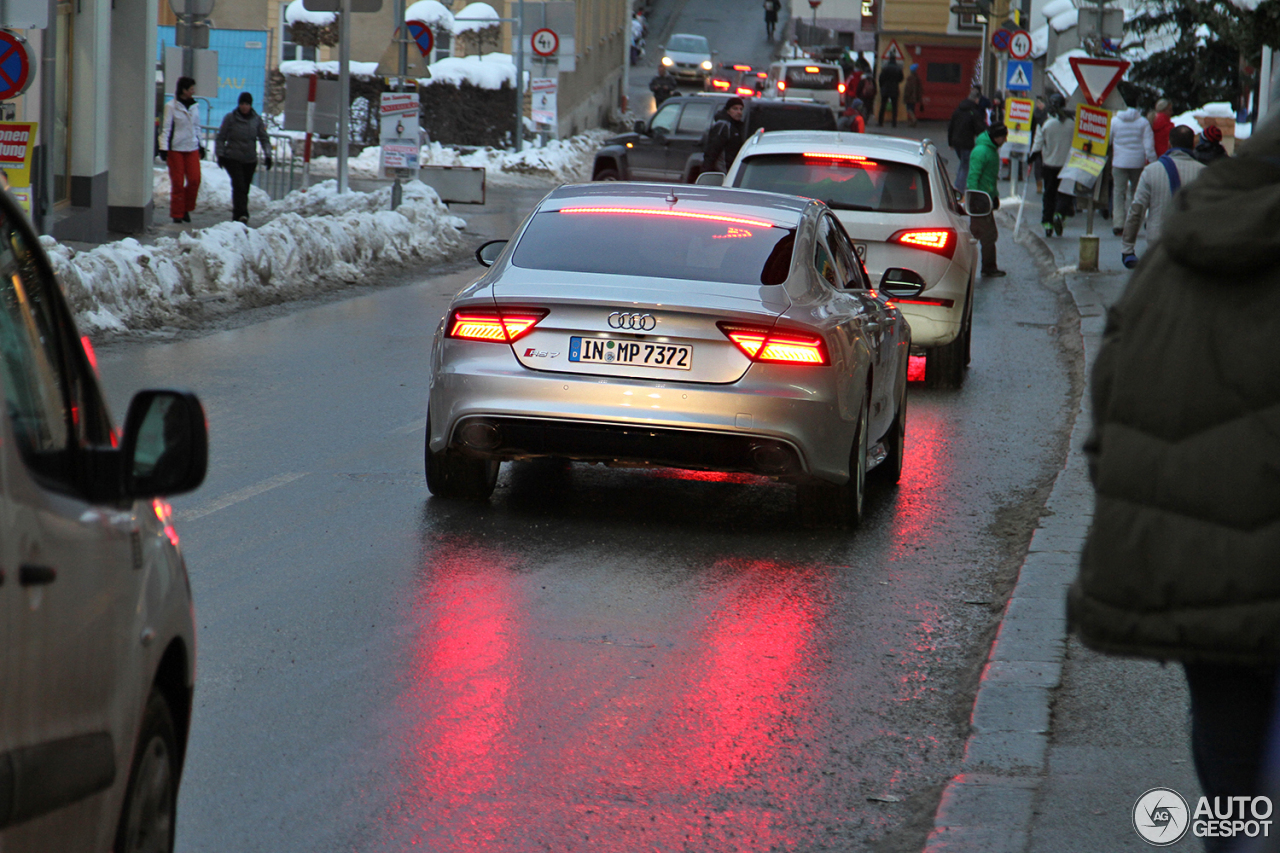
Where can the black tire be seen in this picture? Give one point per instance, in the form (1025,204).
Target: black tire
(829,505)
(968,331)
(889,472)
(452,474)
(944,365)
(607,175)
(147,819)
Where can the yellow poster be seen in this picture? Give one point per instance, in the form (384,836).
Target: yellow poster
(1017,117)
(17,141)
(1089,144)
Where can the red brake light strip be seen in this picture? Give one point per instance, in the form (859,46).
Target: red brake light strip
(681,214)
(780,347)
(497,326)
(818,155)
(936,240)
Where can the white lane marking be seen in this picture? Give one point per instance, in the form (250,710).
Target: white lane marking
(411,427)
(242,495)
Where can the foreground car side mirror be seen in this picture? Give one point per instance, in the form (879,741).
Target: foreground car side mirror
(488,253)
(165,448)
(710,179)
(901,283)
(639,128)
(977,203)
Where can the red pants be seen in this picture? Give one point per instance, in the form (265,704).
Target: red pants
(184,182)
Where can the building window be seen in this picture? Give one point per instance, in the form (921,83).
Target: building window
(969,21)
(288,50)
(942,72)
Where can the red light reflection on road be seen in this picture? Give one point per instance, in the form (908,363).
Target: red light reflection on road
(705,476)
(522,738)
(915,368)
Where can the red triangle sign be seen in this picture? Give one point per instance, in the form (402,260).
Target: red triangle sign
(1097,77)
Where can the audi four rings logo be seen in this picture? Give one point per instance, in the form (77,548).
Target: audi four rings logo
(635,322)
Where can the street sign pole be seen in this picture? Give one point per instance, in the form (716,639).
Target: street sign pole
(402,71)
(519,139)
(344,91)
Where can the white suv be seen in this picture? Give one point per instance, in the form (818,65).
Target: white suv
(894,198)
(97,640)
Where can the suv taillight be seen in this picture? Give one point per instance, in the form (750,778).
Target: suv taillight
(939,240)
(777,346)
(496,325)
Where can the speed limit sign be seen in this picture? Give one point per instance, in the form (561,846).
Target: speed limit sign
(545,42)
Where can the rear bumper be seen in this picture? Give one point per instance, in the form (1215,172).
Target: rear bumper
(765,423)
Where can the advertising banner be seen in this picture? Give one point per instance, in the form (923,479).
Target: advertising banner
(1017,117)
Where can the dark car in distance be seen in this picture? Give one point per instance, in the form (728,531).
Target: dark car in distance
(669,146)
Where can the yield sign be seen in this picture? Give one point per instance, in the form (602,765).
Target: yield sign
(1097,77)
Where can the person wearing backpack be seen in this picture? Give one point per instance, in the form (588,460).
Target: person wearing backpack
(1157,185)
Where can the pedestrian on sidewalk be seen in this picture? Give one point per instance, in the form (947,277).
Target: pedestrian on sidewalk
(1209,148)
(771,8)
(1039,114)
(1156,188)
(867,90)
(663,86)
(966,123)
(851,119)
(1161,124)
(890,83)
(984,175)
(912,94)
(1053,147)
(725,138)
(1133,146)
(1179,563)
(236,149)
(181,150)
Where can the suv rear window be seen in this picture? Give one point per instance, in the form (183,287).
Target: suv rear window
(821,77)
(843,183)
(732,249)
(783,116)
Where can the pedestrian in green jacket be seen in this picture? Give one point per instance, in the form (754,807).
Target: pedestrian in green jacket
(1182,560)
(984,175)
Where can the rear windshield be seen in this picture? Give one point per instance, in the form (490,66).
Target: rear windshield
(812,77)
(782,116)
(844,184)
(662,246)
(688,44)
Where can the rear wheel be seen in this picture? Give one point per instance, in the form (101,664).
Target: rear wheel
(968,333)
(607,175)
(889,471)
(147,817)
(829,505)
(452,474)
(944,366)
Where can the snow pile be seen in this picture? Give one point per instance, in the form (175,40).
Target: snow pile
(490,71)
(474,17)
(1065,20)
(1060,73)
(296,13)
(1217,110)
(1056,7)
(430,12)
(215,191)
(305,68)
(319,240)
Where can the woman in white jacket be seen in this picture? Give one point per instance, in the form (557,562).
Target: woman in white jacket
(180,149)
(1133,146)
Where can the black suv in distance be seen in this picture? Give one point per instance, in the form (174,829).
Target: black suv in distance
(669,147)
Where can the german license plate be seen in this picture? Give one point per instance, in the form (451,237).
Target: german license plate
(861,249)
(631,353)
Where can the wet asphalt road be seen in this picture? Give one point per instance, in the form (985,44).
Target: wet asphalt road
(597,659)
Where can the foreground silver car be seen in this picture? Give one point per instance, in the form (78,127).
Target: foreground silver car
(690,327)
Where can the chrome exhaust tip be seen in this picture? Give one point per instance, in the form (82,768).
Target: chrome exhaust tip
(770,458)
(480,435)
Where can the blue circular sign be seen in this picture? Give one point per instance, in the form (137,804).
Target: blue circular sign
(421,34)
(1000,39)
(15,65)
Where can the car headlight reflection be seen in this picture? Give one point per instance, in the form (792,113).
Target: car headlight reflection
(706,65)
(666,60)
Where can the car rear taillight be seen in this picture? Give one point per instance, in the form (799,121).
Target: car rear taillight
(782,85)
(497,325)
(777,346)
(746,93)
(939,240)
(840,88)
(720,84)
(742,68)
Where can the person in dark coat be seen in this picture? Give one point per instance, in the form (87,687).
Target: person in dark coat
(771,8)
(725,138)
(236,148)
(912,94)
(1180,562)
(663,86)
(890,81)
(966,123)
(1210,146)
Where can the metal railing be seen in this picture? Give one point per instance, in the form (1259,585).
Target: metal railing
(285,174)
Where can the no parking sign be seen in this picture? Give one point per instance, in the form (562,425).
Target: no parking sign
(16,60)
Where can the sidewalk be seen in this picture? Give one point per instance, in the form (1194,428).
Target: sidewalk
(1064,741)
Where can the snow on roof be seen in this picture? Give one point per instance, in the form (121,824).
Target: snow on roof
(490,71)
(430,12)
(1061,75)
(474,16)
(1246,4)
(305,68)
(1056,7)
(296,13)
(1065,20)
(1039,41)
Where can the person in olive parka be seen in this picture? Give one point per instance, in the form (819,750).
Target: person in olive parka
(1182,561)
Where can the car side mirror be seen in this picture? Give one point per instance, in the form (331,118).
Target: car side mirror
(639,127)
(711,179)
(901,283)
(977,203)
(165,447)
(488,253)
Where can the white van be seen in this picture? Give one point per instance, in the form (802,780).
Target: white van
(97,637)
(803,78)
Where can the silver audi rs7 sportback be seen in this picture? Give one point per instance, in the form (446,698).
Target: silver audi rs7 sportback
(676,326)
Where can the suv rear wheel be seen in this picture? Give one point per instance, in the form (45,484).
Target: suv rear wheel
(607,175)
(944,366)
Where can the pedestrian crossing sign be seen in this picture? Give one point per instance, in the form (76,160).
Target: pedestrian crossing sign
(1018,77)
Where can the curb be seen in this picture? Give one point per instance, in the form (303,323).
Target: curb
(990,805)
